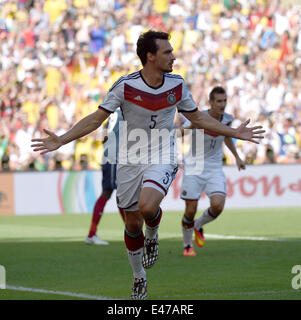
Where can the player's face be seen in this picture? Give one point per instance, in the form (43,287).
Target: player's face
(164,57)
(218,104)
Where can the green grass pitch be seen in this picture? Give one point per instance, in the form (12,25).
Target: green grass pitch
(45,258)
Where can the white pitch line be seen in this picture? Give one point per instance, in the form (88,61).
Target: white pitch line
(168,235)
(87,296)
(231,237)
(60,293)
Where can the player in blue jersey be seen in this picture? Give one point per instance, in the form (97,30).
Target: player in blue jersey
(108,177)
(148,100)
(211,180)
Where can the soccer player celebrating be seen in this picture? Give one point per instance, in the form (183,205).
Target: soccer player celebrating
(211,180)
(148,100)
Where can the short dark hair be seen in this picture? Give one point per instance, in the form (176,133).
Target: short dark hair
(146,43)
(216,90)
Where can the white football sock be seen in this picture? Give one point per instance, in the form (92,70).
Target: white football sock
(187,231)
(187,236)
(205,218)
(151,232)
(135,259)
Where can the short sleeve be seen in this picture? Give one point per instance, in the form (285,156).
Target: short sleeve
(187,103)
(114,98)
(229,119)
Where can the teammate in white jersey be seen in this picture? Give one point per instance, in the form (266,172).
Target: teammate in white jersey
(111,128)
(148,100)
(211,180)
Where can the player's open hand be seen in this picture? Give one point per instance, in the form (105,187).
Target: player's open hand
(250,133)
(51,143)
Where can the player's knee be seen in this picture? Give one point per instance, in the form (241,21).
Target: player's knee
(190,213)
(107,194)
(147,210)
(217,208)
(134,223)
(190,210)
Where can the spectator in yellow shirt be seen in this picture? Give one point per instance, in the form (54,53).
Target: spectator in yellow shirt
(53,81)
(54,8)
(52,113)
(160,6)
(32,108)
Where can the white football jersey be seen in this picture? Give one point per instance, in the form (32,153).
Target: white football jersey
(149,113)
(111,145)
(213,151)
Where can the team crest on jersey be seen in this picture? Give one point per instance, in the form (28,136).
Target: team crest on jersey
(171,98)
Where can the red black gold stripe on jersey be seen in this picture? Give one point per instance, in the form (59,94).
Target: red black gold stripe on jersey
(151,101)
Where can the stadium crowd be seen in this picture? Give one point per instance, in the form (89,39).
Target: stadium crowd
(58,58)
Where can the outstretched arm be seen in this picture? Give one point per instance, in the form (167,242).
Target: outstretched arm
(201,120)
(239,162)
(80,129)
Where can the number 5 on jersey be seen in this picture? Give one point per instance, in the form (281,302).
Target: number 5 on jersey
(153,121)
